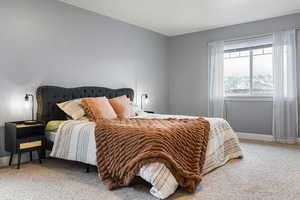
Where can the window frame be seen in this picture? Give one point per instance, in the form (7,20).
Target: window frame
(249,97)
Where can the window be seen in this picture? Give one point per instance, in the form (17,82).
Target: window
(248,71)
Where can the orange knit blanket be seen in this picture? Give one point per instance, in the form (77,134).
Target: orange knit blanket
(125,145)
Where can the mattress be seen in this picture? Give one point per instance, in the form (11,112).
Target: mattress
(50,135)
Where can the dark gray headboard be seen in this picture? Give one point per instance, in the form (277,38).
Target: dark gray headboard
(48,96)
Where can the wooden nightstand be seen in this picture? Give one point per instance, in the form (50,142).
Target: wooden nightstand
(21,137)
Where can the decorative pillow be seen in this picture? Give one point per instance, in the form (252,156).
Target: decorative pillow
(138,111)
(73,108)
(53,125)
(98,108)
(122,107)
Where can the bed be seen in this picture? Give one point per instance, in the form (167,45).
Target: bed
(222,146)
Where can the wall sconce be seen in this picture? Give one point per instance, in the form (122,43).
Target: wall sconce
(27,96)
(146,99)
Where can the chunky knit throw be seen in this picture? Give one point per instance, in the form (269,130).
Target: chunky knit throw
(125,145)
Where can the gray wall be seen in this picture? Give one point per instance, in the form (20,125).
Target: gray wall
(188,67)
(46,42)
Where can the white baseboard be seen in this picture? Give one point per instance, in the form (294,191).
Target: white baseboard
(255,136)
(24,158)
(258,137)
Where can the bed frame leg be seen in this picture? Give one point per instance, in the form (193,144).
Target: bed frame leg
(87,168)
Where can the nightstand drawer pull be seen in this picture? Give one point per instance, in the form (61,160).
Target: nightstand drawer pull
(30,144)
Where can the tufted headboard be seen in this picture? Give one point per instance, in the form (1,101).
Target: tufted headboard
(48,96)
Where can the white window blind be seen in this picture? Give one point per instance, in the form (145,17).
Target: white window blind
(244,44)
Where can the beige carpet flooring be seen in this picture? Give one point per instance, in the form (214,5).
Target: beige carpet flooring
(267,171)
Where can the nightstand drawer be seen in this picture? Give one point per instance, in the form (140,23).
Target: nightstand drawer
(33,144)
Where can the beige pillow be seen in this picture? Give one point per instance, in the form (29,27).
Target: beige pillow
(98,108)
(73,108)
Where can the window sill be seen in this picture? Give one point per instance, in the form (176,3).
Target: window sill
(249,98)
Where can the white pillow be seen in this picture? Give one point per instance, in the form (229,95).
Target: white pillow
(138,111)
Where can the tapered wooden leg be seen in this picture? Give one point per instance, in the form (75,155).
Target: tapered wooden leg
(19,159)
(87,168)
(43,153)
(39,154)
(30,155)
(10,159)
(43,150)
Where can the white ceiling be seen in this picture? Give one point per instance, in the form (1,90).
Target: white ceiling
(175,17)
